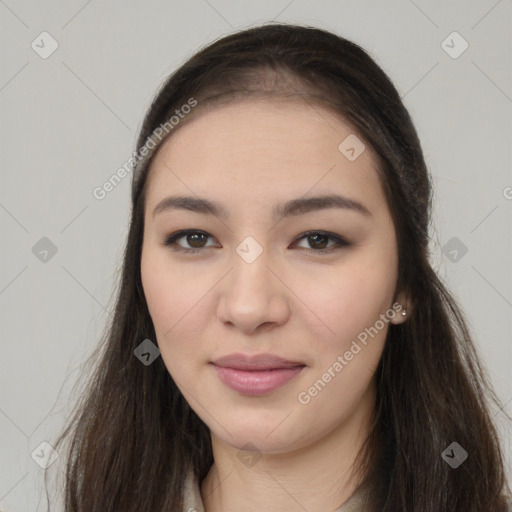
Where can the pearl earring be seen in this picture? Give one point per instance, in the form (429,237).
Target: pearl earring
(404,312)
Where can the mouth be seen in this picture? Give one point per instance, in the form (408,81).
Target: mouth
(256,375)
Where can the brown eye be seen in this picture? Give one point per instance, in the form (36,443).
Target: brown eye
(318,241)
(193,238)
(196,239)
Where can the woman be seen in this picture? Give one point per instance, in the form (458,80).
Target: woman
(280,339)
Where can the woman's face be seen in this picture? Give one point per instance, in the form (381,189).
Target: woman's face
(248,280)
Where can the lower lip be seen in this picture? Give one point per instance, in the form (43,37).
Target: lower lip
(256,382)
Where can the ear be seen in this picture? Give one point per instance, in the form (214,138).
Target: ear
(403,309)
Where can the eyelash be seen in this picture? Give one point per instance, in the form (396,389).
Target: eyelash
(341,242)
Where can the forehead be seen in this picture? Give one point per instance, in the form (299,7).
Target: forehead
(248,124)
(262,148)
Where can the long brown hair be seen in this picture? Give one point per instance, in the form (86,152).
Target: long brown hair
(133,434)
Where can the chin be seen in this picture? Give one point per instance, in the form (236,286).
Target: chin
(259,436)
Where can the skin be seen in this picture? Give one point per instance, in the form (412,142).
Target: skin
(292,302)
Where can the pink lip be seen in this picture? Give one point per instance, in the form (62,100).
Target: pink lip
(256,375)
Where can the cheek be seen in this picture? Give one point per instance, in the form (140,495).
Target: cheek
(172,296)
(346,354)
(177,306)
(346,303)
(160,298)
(163,305)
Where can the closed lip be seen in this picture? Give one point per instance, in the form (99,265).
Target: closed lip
(256,362)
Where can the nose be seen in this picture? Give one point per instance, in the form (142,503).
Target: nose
(253,296)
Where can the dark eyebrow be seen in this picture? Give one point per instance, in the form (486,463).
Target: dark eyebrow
(303,205)
(297,206)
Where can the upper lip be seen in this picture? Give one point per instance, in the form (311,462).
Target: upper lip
(255,362)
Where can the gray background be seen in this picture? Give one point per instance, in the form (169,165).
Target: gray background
(69,121)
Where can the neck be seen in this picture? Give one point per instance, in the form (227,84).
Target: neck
(317,477)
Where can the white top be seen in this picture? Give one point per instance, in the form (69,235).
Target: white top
(193,502)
